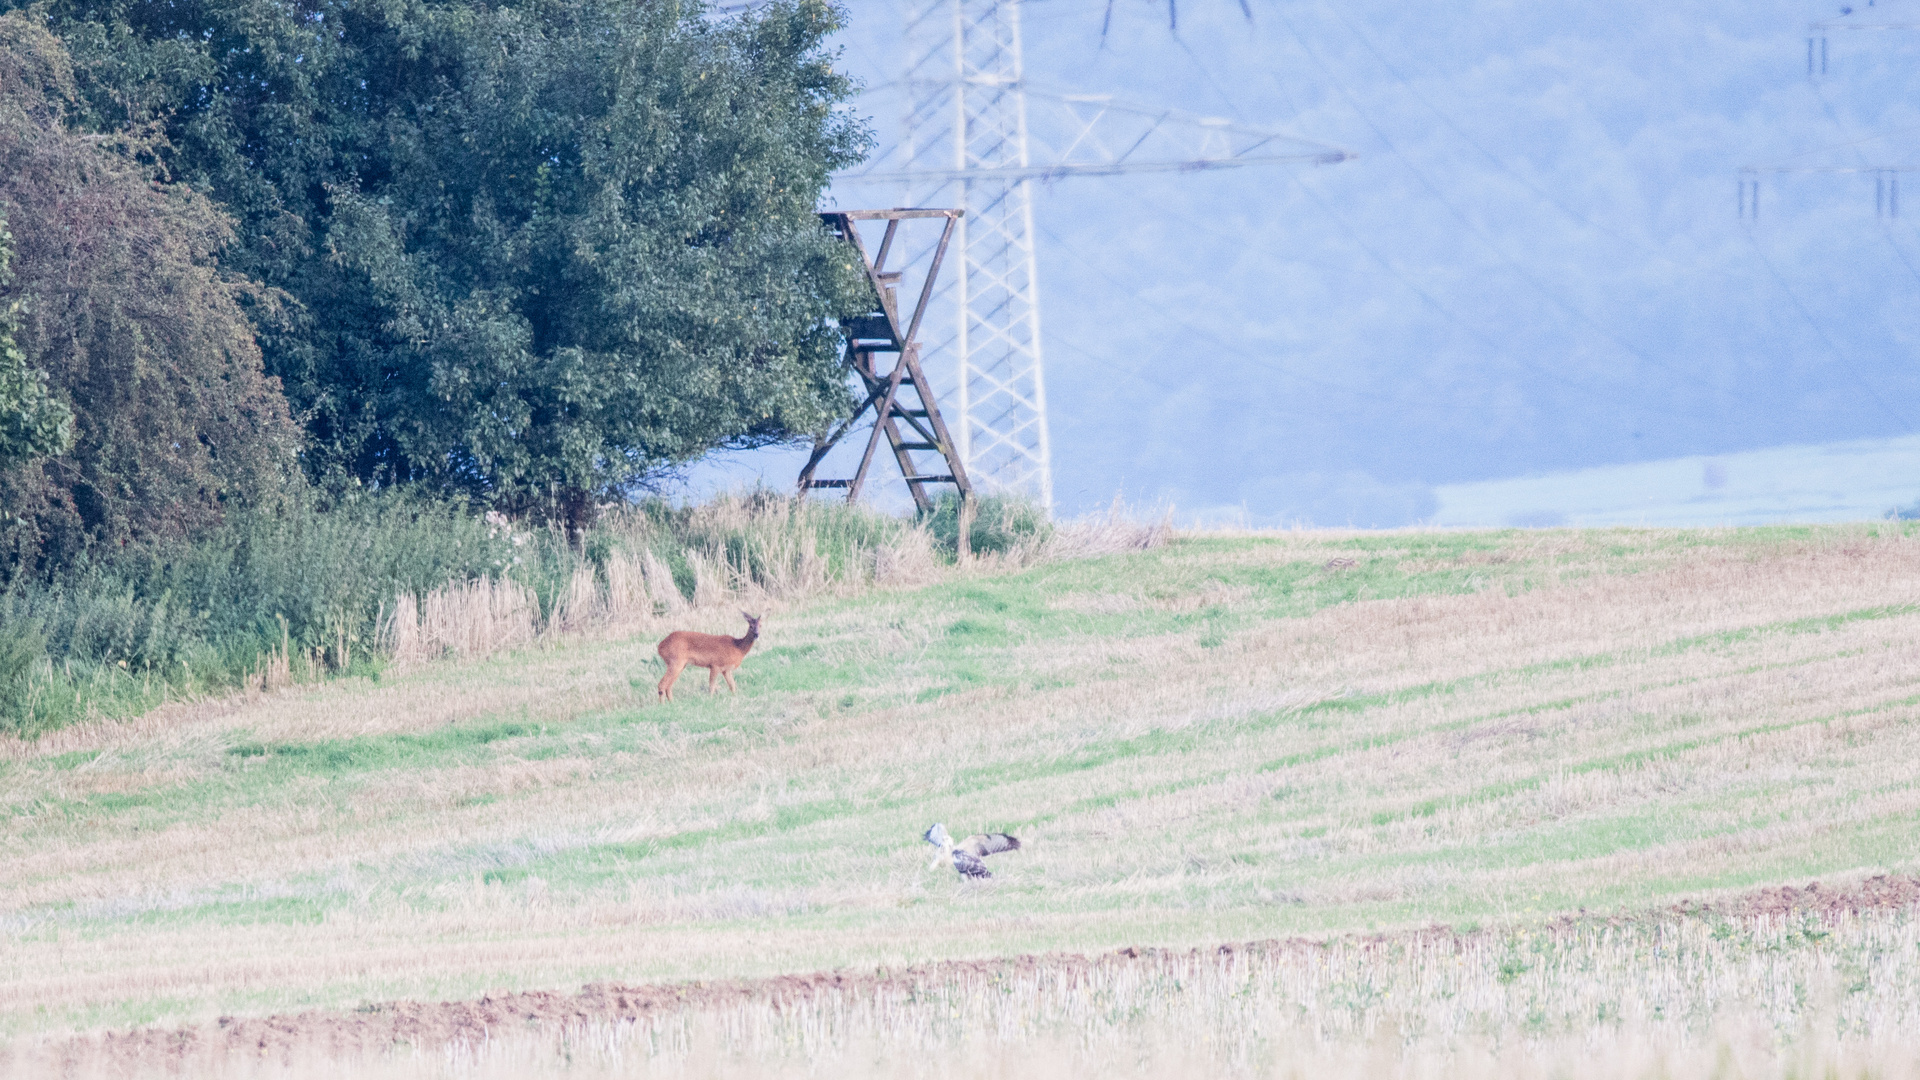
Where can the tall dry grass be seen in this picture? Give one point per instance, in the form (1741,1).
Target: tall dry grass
(741,550)
(655,562)
(465,619)
(1117,531)
(1739,1051)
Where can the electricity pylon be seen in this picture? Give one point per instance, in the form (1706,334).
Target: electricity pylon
(967,115)
(970,141)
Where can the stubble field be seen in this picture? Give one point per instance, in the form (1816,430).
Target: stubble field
(1480,768)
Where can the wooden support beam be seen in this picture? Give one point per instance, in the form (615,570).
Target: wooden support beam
(900,403)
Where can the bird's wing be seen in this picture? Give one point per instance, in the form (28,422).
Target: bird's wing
(982,844)
(969,866)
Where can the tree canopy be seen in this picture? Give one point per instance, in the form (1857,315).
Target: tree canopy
(534,251)
(33,423)
(154,413)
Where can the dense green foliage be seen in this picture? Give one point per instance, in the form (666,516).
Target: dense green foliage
(296,292)
(194,617)
(33,423)
(537,250)
(119,301)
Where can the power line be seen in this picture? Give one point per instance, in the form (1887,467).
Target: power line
(1230,348)
(1886,234)
(1850,144)
(1519,271)
(1432,301)
(1870,393)
(967,131)
(1805,313)
(1445,311)
(1544,196)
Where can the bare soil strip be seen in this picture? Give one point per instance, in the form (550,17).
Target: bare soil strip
(375,1029)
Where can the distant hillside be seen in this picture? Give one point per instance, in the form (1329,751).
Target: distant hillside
(1848,481)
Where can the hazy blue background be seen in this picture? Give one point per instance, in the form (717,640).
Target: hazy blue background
(1535,265)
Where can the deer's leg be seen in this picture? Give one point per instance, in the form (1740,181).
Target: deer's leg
(673,672)
(731,687)
(713,679)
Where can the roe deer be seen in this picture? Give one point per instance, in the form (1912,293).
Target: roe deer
(719,654)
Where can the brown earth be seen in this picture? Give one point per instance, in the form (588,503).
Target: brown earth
(1881,893)
(374,1028)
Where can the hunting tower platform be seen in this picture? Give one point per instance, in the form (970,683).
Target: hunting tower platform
(900,398)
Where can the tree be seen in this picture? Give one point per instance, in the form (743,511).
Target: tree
(33,423)
(115,296)
(539,250)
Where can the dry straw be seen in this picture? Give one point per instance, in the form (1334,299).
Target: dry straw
(1119,530)
(463,619)
(1767,996)
(660,585)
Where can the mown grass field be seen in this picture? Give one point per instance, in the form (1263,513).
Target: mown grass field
(1223,739)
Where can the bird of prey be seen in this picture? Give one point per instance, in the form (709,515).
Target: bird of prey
(966,854)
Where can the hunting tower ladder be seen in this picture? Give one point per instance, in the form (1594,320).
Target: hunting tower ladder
(901,400)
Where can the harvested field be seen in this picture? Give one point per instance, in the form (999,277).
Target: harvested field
(1771,962)
(1226,739)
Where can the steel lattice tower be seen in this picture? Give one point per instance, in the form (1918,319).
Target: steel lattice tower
(967,113)
(966,144)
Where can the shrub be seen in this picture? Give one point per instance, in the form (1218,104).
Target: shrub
(1002,524)
(307,582)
